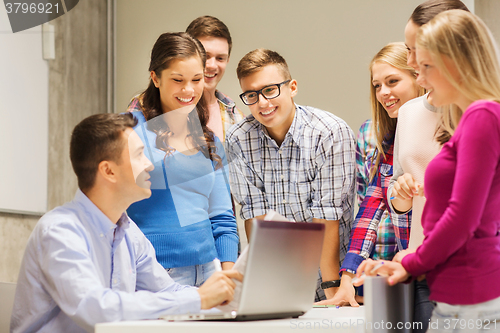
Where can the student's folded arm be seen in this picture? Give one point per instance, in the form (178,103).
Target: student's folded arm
(77,286)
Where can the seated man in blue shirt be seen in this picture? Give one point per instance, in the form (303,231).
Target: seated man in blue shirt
(296,160)
(86,262)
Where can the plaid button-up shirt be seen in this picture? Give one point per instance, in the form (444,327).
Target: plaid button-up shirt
(386,246)
(364,232)
(229,113)
(311,175)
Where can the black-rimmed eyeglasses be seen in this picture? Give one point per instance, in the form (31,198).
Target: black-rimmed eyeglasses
(269,92)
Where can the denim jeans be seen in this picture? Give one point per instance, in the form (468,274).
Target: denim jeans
(481,317)
(192,275)
(422,306)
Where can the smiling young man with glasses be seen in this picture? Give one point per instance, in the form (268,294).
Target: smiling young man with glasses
(296,160)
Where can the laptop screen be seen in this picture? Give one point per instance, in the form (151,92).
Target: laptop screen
(282,267)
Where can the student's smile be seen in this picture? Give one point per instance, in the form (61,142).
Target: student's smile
(217,50)
(390,104)
(269,112)
(393,87)
(181,84)
(186,100)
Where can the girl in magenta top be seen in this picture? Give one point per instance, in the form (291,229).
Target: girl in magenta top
(460,254)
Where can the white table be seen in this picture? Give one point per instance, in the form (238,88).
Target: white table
(345,320)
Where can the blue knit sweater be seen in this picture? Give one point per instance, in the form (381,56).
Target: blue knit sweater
(189,217)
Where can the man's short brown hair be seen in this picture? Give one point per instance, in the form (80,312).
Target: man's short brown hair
(95,139)
(209,26)
(257,59)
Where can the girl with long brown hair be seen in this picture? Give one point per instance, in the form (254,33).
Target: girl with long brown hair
(189,217)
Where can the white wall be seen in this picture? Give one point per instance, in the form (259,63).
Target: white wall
(328,44)
(76,89)
(470,4)
(24,109)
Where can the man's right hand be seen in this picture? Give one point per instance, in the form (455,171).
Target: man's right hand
(345,293)
(219,288)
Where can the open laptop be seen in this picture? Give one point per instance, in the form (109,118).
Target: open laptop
(280,275)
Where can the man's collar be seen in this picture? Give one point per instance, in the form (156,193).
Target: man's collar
(295,128)
(224,99)
(99,220)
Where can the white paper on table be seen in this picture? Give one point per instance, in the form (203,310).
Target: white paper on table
(273,216)
(240,265)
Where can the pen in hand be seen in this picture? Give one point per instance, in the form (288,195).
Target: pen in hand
(218,268)
(356,279)
(217,264)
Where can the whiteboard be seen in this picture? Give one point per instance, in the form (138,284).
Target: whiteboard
(24,115)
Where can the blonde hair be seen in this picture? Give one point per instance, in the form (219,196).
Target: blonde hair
(466,40)
(394,54)
(257,59)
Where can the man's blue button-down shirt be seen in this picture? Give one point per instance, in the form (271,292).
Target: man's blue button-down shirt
(80,269)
